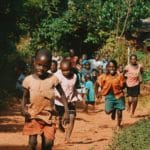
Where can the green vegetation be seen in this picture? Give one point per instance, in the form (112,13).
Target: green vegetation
(84,25)
(135,137)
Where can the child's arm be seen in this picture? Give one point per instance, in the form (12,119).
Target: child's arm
(64,100)
(96,89)
(25,101)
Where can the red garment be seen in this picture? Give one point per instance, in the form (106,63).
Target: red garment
(39,127)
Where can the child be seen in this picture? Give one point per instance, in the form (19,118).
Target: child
(38,103)
(90,95)
(120,70)
(68,80)
(20,71)
(112,86)
(133,73)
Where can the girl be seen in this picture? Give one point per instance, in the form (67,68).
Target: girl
(133,73)
(112,86)
(90,95)
(38,103)
(68,80)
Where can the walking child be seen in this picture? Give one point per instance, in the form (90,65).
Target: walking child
(38,103)
(112,86)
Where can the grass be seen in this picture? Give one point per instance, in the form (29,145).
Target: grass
(135,137)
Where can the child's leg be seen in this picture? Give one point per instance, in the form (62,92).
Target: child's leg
(60,124)
(130,101)
(32,142)
(70,127)
(119,118)
(134,105)
(46,143)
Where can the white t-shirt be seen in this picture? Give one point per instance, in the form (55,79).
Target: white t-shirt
(68,86)
(95,64)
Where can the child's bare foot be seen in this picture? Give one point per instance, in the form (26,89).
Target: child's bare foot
(61,128)
(117,129)
(68,142)
(132,115)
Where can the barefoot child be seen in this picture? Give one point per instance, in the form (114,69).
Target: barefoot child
(133,73)
(90,95)
(68,80)
(38,103)
(112,86)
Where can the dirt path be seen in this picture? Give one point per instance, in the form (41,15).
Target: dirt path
(92,131)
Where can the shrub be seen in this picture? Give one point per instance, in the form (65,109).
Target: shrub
(135,137)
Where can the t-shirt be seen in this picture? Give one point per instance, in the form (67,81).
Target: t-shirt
(133,74)
(109,83)
(68,86)
(42,94)
(94,63)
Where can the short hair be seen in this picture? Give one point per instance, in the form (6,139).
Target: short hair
(45,53)
(54,62)
(133,55)
(114,62)
(66,61)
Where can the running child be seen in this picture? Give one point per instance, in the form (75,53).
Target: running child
(38,103)
(112,86)
(90,95)
(68,81)
(133,73)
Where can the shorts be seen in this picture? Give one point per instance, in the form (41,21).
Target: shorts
(72,108)
(39,127)
(112,103)
(133,91)
(60,110)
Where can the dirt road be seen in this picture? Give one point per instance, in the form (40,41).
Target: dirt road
(93,131)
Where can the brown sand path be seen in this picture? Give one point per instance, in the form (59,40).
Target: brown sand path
(92,131)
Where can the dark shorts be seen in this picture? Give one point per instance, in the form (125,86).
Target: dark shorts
(90,103)
(60,110)
(112,103)
(133,91)
(71,107)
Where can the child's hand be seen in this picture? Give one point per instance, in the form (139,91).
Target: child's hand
(26,115)
(66,118)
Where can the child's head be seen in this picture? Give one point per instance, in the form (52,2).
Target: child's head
(65,67)
(100,70)
(84,56)
(112,67)
(97,57)
(54,66)
(87,77)
(120,68)
(88,65)
(42,62)
(133,59)
(71,53)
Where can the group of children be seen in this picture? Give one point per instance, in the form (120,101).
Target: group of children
(53,91)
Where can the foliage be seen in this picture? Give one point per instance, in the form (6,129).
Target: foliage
(133,137)
(89,22)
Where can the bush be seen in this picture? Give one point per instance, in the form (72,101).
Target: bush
(135,137)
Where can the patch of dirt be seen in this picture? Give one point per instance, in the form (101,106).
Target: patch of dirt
(92,131)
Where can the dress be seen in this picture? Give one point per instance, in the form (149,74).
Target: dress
(90,97)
